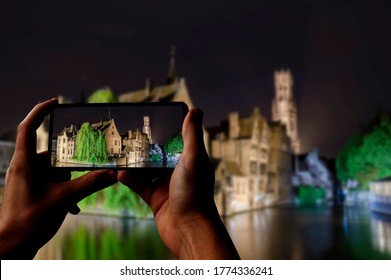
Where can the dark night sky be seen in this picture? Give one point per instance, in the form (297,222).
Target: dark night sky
(338,51)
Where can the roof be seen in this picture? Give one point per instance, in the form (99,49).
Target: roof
(102,125)
(69,131)
(247,125)
(161,93)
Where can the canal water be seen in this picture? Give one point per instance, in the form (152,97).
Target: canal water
(284,232)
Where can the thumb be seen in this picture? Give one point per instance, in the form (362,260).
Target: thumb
(89,183)
(192,133)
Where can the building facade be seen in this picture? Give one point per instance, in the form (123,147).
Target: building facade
(136,146)
(252,163)
(112,137)
(66,144)
(253,156)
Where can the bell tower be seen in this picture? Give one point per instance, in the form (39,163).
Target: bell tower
(284,108)
(147,129)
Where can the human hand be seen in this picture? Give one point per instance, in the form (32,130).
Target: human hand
(36,201)
(183,204)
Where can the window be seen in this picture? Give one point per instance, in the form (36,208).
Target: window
(253,168)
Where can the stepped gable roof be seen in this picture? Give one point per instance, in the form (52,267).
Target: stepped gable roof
(150,93)
(102,125)
(161,93)
(247,125)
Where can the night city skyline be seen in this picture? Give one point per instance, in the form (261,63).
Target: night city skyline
(337,51)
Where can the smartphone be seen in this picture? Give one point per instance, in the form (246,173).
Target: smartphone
(116,135)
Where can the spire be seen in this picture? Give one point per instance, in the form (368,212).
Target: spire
(171,78)
(109,114)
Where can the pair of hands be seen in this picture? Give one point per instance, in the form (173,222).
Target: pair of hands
(36,202)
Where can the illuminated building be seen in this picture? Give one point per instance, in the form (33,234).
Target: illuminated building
(112,136)
(252,156)
(252,164)
(66,143)
(284,107)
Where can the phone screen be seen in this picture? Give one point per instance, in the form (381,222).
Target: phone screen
(116,135)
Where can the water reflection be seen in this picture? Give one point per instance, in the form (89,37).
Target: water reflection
(89,237)
(287,232)
(291,232)
(381,227)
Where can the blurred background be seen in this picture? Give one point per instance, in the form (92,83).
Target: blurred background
(300,88)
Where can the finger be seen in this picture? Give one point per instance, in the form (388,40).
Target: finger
(194,165)
(59,175)
(135,181)
(27,138)
(139,179)
(55,174)
(87,184)
(193,135)
(145,182)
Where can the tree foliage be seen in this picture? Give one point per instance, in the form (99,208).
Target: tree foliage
(366,156)
(174,145)
(103,95)
(90,145)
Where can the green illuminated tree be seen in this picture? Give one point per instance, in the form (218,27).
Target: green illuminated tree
(366,157)
(347,154)
(174,145)
(101,149)
(103,95)
(90,145)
